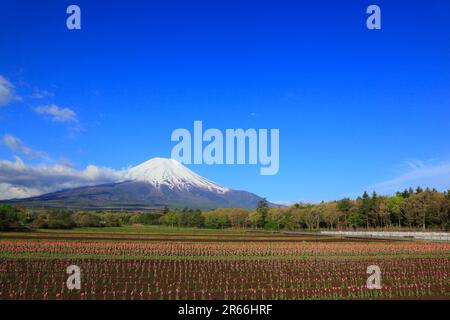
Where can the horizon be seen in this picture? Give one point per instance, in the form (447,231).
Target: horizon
(124,175)
(357,109)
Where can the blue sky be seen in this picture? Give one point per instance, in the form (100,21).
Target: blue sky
(357,109)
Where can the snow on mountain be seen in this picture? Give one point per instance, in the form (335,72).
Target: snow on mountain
(169,172)
(151,185)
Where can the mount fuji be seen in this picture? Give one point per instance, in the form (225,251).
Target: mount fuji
(153,184)
(170,173)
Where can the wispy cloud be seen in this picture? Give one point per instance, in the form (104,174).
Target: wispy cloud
(57,114)
(418,173)
(19,180)
(7,92)
(18,146)
(40,94)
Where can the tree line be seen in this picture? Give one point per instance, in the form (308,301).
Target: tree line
(412,209)
(18,218)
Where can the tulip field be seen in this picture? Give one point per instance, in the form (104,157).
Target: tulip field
(245,270)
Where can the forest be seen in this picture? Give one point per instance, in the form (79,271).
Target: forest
(410,209)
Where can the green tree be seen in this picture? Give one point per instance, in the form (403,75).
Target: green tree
(354,220)
(427,208)
(331,215)
(9,218)
(394,205)
(365,208)
(89,220)
(263,210)
(344,205)
(170,218)
(277,218)
(196,219)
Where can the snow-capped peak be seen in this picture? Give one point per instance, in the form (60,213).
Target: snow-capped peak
(171,173)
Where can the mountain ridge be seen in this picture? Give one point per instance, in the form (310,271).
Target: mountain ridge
(152,184)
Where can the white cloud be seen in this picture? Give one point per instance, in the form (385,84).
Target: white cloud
(7,92)
(16,145)
(8,191)
(57,114)
(284,203)
(291,203)
(40,94)
(418,173)
(20,180)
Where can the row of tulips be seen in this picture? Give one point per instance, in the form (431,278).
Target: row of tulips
(202,251)
(183,270)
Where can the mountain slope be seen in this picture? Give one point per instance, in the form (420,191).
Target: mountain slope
(152,184)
